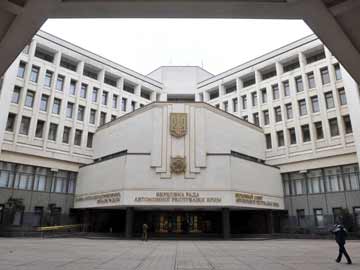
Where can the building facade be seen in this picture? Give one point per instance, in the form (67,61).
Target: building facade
(56,95)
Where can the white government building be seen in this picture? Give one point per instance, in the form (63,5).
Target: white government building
(267,146)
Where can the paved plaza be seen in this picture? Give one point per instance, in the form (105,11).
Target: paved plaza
(79,254)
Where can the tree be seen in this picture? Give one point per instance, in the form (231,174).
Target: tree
(14,205)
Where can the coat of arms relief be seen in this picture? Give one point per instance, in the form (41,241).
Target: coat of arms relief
(178,129)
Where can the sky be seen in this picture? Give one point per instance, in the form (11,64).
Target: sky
(145,44)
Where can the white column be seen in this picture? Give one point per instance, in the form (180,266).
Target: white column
(353,98)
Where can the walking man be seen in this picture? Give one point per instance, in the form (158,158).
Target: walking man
(145,235)
(340,237)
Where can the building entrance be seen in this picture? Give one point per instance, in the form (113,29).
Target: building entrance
(169,223)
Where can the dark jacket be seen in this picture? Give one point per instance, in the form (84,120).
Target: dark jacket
(340,234)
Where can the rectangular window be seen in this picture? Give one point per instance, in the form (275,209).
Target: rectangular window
(34,75)
(305,130)
(92,116)
(78,135)
(256,119)
(81,113)
(319,130)
(123,104)
(292,135)
(280,138)
(56,106)
(29,99)
(325,78)
(286,87)
(235,104)
(334,128)
(213,94)
(44,54)
(115,101)
(131,88)
(68,63)
(277,112)
(66,134)
(73,87)
(225,103)
(113,117)
(254,99)
(90,138)
(315,56)
(263,95)
(347,124)
(289,111)
(300,214)
(275,91)
(315,181)
(333,178)
(268,141)
(299,84)
(315,104)
(302,107)
(21,70)
(60,83)
(52,132)
(337,213)
(244,102)
(25,125)
(16,95)
(229,89)
(69,110)
(104,98)
(357,215)
(48,78)
(338,75)
(342,96)
(329,100)
(10,124)
(319,217)
(248,81)
(94,96)
(311,80)
(133,105)
(102,118)
(83,90)
(40,179)
(266,117)
(44,103)
(351,177)
(39,129)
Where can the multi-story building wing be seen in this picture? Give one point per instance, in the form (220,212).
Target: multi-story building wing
(57,95)
(297,95)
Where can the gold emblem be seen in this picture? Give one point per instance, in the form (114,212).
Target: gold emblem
(178,165)
(178,124)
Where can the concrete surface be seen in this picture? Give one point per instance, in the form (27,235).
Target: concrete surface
(72,253)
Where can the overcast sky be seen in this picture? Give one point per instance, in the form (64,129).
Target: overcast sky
(145,44)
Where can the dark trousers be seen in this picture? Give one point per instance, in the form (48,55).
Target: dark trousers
(342,251)
(145,236)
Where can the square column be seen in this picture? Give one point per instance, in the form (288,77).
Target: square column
(129,221)
(225,212)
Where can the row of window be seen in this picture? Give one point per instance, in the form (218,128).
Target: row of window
(52,131)
(315,107)
(275,89)
(56,107)
(306,133)
(333,179)
(89,71)
(319,217)
(60,82)
(18,176)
